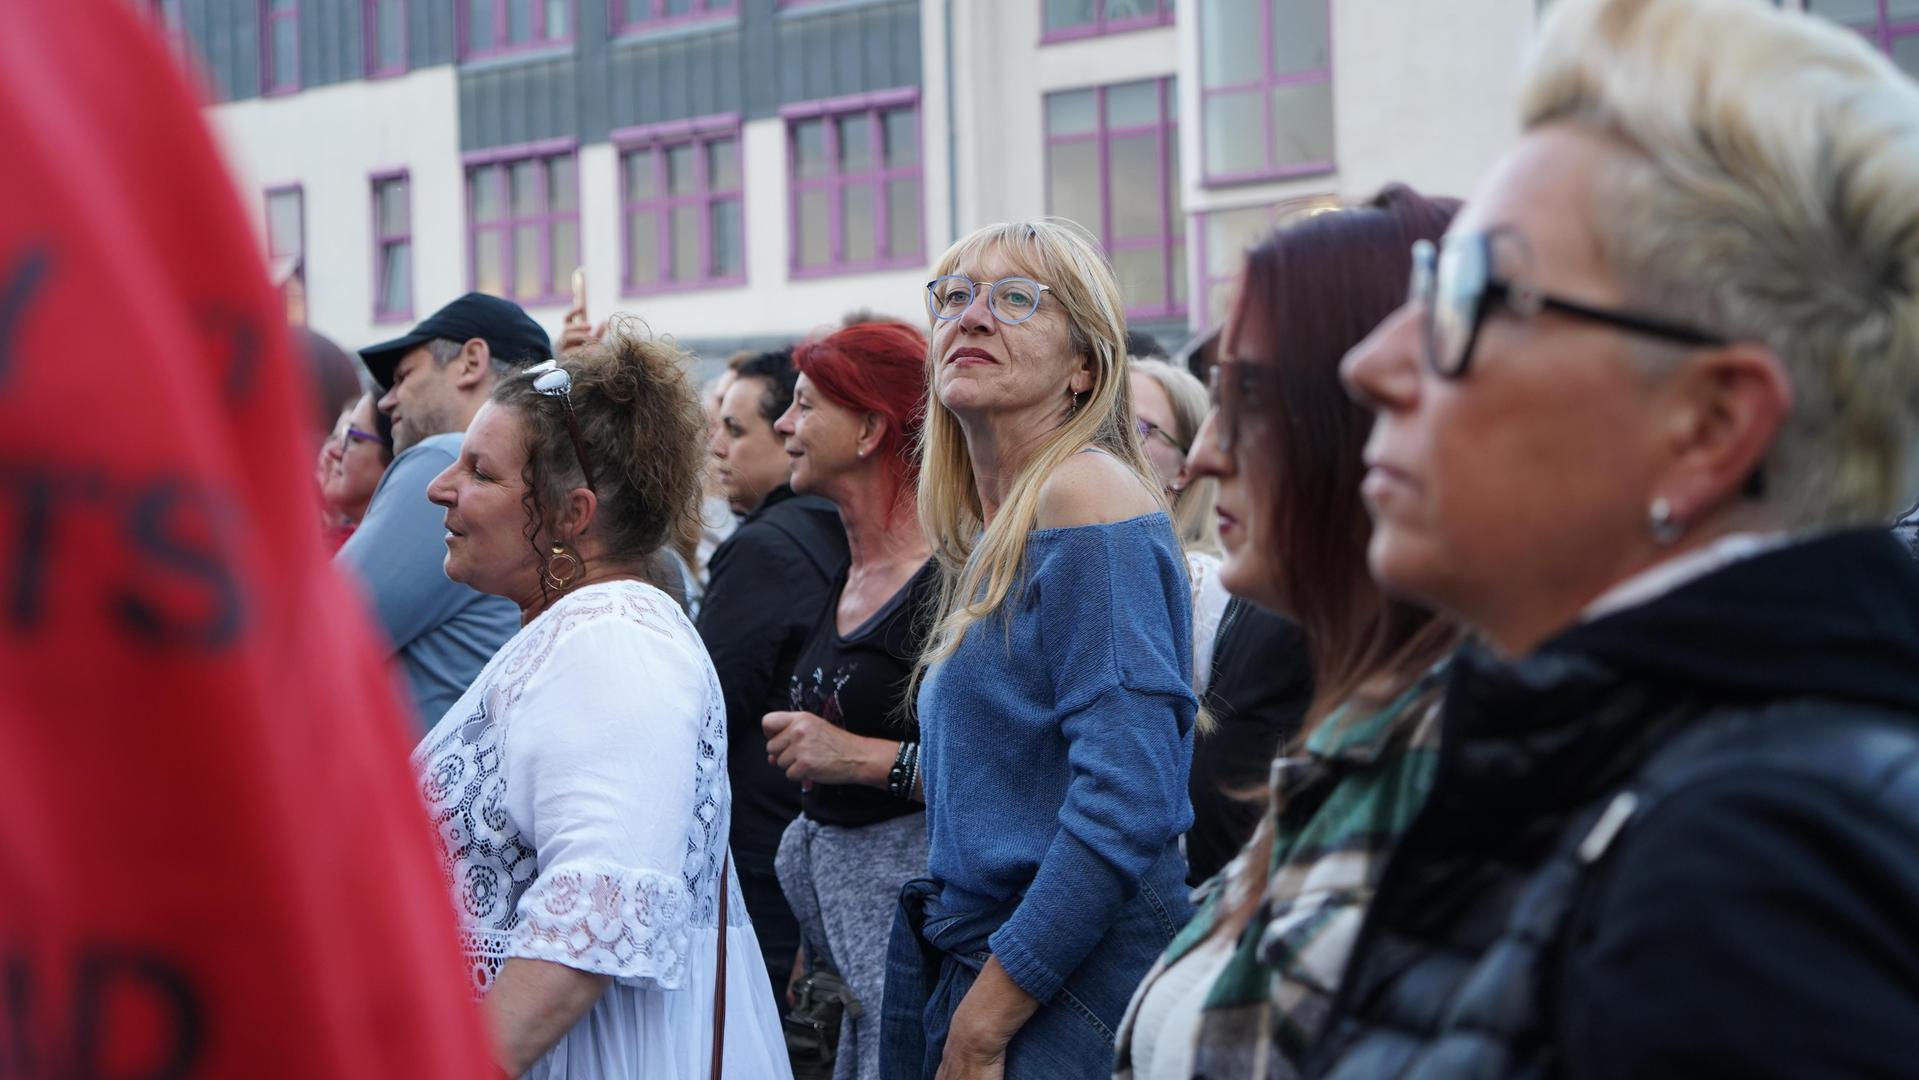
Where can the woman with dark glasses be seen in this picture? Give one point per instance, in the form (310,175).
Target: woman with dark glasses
(353,460)
(579,786)
(1241,990)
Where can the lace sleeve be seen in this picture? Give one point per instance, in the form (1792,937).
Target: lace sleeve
(630,924)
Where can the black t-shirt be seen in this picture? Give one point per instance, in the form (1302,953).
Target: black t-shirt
(858,682)
(1262,683)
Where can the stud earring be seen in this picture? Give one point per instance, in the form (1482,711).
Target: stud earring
(1660,521)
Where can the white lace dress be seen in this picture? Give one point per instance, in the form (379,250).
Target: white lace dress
(580,796)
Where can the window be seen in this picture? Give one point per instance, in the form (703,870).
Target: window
(491,27)
(1064,20)
(854,171)
(1112,164)
(286,246)
(644,14)
(1893,25)
(279,46)
(392,248)
(385,24)
(1224,237)
(523,211)
(1266,90)
(682,208)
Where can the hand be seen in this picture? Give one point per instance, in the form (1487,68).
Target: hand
(576,334)
(971,1060)
(983,1026)
(814,751)
(799,972)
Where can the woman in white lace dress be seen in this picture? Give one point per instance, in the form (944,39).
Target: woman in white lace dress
(1169,405)
(579,787)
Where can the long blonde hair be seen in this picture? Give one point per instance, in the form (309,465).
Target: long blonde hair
(1192,508)
(979,562)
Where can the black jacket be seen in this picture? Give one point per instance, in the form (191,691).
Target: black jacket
(1681,840)
(766,587)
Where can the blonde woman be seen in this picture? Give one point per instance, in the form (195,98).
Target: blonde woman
(1055,707)
(1169,405)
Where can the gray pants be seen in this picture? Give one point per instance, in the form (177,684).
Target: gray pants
(843,886)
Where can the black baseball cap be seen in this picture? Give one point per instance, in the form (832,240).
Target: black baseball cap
(505,326)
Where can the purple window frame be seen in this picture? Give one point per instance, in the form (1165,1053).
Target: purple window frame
(1276,213)
(273,82)
(629,16)
(1884,31)
(797,3)
(381,240)
(503,159)
(1265,85)
(370,39)
(656,139)
(500,47)
(1100,25)
(266,208)
(1172,233)
(833,182)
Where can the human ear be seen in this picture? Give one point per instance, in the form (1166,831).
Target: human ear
(1724,410)
(475,364)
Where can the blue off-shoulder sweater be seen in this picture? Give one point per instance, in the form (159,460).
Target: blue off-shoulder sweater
(1055,744)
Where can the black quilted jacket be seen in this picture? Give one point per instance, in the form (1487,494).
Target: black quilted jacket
(1682,840)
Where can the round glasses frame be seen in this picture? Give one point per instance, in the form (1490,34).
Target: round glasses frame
(943,286)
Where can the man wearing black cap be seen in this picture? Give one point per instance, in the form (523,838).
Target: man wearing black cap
(434,379)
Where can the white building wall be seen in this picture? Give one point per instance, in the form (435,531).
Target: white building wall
(330,140)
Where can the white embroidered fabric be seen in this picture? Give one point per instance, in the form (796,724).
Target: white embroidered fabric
(1209,607)
(579,794)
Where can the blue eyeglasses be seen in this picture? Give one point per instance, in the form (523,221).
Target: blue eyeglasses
(1012,300)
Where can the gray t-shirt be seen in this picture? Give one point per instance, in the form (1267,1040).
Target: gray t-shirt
(442,632)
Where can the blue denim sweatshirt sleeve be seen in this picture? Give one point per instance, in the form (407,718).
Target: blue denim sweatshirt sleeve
(1058,740)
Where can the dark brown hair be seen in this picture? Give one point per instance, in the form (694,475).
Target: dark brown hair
(644,431)
(1312,289)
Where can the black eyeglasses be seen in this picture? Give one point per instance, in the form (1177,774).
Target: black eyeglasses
(552,380)
(1455,286)
(1236,386)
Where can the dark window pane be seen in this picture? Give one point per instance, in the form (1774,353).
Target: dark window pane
(728,238)
(1855,13)
(643,247)
(810,215)
(723,164)
(396,277)
(642,179)
(903,217)
(1133,104)
(809,149)
(1067,14)
(1905,53)
(682,169)
(393,207)
(1179,274)
(678,7)
(566,256)
(283,224)
(856,143)
(285,47)
(902,137)
(556,20)
(1126,10)
(519,21)
(390,33)
(479,24)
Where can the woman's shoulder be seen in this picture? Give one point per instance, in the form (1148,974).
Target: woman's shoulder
(621,615)
(1093,487)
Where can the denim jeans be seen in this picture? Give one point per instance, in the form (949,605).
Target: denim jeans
(1070,1036)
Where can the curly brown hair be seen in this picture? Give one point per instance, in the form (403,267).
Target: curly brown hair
(644,431)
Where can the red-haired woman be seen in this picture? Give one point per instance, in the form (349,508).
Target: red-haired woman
(1243,987)
(850,739)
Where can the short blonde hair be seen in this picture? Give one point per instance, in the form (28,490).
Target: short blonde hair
(980,563)
(1193,508)
(1772,196)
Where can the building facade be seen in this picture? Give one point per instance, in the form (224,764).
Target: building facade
(742,172)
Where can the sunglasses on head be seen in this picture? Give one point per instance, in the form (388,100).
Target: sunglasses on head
(552,380)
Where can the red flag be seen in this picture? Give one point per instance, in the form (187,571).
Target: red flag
(213,861)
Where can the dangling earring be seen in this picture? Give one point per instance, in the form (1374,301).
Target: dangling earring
(554,579)
(1661,523)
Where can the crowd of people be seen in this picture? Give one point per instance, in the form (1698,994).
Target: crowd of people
(1490,657)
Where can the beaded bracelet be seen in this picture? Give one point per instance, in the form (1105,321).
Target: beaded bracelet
(904,775)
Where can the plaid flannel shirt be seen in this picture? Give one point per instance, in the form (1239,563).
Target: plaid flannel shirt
(1344,804)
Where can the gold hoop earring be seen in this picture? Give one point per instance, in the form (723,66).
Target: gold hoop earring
(555,580)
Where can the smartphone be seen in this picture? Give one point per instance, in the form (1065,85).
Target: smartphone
(578,312)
